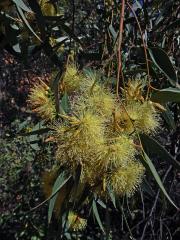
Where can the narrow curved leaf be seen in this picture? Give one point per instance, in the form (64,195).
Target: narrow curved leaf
(149,165)
(39,131)
(155,147)
(166,95)
(26,22)
(113,32)
(55,87)
(101,203)
(112,196)
(50,197)
(162,61)
(65,104)
(59,183)
(17,48)
(96,214)
(22,5)
(39,128)
(168,117)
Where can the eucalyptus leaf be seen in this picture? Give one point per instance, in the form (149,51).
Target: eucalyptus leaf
(168,117)
(16,48)
(149,165)
(112,196)
(101,203)
(96,214)
(166,95)
(113,32)
(55,87)
(21,13)
(61,180)
(35,132)
(65,104)
(153,146)
(22,5)
(162,61)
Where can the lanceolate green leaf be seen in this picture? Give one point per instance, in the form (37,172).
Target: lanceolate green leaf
(36,132)
(22,5)
(41,23)
(113,32)
(26,22)
(103,205)
(166,95)
(168,117)
(55,87)
(155,147)
(59,183)
(112,196)
(96,214)
(65,105)
(162,61)
(149,165)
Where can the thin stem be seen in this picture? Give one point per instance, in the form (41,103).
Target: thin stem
(144,46)
(119,46)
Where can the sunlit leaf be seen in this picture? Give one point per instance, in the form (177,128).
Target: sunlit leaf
(101,203)
(61,180)
(96,214)
(26,22)
(22,5)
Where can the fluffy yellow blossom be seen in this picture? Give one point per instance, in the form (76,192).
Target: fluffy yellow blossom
(126,117)
(120,151)
(100,101)
(72,79)
(47,8)
(90,85)
(76,223)
(141,117)
(42,101)
(149,120)
(96,97)
(134,90)
(81,141)
(125,179)
(97,134)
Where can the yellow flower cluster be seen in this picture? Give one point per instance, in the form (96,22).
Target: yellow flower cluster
(41,101)
(127,178)
(99,133)
(72,79)
(90,137)
(47,8)
(137,114)
(76,223)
